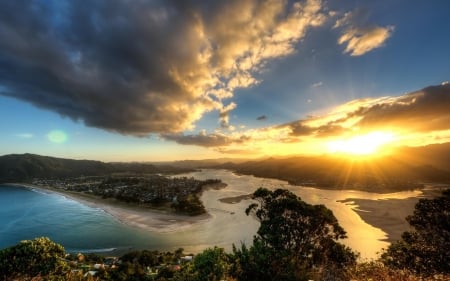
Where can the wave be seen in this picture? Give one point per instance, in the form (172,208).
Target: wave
(87,251)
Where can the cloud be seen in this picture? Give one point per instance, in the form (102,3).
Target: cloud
(25,135)
(201,139)
(420,113)
(363,40)
(317,84)
(360,37)
(417,118)
(140,67)
(207,140)
(224,115)
(261,118)
(423,111)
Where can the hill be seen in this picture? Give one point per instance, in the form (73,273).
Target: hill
(407,169)
(23,167)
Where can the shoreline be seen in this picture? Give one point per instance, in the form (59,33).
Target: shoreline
(144,218)
(389,215)
(385,214)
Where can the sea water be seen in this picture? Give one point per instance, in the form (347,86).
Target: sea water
(26,214)
(29,213)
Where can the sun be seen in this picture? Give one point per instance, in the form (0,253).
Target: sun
(361,145)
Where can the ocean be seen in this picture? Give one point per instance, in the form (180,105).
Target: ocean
(26,214)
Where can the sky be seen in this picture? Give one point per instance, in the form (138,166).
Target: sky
(118,80)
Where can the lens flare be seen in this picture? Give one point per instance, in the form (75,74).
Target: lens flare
(57,136)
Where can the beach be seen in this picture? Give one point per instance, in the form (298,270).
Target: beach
(145,218)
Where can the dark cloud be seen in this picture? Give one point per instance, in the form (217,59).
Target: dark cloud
(202,139)
(424,110)
(206,140)
(298,128)
(261,118)
(139,67)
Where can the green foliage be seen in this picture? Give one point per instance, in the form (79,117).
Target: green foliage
(22,167)
(39,256)
(210,265)
(190,205)
(426,249)
(377,271)
(294,239)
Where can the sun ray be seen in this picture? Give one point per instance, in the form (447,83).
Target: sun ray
(367,144)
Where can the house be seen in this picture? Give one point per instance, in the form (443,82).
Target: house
(90,273)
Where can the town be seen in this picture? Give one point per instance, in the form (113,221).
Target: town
(178,193)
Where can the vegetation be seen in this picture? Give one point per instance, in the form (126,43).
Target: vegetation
(25,167)
(155,191)
(296,241)
(426,249)
(40,256)
(210,265)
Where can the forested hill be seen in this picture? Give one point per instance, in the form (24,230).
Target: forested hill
(402,171)
(23,167)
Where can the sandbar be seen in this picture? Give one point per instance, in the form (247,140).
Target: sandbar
(160,221)
(236,199)
(388,215)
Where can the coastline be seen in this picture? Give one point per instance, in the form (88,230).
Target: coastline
(144,218)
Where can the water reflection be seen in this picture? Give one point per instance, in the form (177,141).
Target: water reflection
(225,229)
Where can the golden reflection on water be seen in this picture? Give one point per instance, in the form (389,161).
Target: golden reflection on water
(225,229)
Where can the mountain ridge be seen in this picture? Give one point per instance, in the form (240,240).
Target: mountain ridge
(24,167)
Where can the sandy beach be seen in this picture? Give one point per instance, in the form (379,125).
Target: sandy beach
(141,217)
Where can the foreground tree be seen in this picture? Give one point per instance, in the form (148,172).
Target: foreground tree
(30,258)
(210,265)
(295,241)
(426,249)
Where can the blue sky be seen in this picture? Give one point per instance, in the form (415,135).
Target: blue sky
(156,80)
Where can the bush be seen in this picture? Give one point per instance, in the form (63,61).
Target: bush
(426,249)
(39,256)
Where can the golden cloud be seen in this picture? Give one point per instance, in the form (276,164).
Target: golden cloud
(417,118)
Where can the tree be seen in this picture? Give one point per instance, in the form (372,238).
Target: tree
(39,256)
(425,249)
(210,265)
(294,239)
